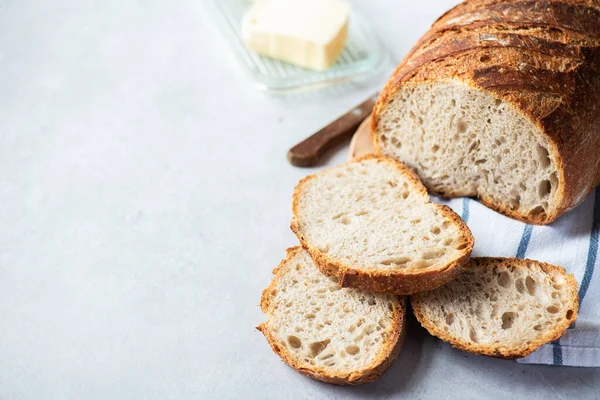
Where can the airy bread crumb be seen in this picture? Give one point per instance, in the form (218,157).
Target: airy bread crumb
(370,223)
(501,307)
(327,332)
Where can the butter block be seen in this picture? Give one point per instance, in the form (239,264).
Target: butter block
(308,33)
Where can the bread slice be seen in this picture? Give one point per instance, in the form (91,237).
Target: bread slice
(370,224)
(326,332)
(500,307)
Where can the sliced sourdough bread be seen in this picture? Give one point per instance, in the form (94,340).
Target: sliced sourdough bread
(500,307)
(326,332)
(499,99)
(370,224)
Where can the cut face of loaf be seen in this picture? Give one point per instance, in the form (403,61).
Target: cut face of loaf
(327,332)
(464,142)
(498,307)
(370,224)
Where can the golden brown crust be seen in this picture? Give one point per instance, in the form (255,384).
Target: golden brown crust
(382,362)
(392,282)
(498,350)
(578,16)
(540,57)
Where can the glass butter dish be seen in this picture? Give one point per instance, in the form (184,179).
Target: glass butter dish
(362,58)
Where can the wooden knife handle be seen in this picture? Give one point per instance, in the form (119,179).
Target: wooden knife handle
(308,152)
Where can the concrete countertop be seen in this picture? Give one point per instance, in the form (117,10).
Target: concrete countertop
(144,200)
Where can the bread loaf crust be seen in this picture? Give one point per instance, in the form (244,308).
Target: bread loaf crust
(540,57)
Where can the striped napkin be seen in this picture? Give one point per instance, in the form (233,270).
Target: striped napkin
(572,242)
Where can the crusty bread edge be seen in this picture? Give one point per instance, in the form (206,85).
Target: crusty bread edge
(392,282)
(383,359)
(499,351)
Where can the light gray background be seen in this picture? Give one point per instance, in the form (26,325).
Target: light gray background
(145,199)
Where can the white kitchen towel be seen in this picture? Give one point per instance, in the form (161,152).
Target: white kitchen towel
(572,242)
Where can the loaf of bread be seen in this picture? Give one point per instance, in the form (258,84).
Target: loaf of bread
(369,223)
(327,332)
(500,100)
(504,308)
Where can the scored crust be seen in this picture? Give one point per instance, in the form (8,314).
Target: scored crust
(382,362)
(500,351)
(387,281)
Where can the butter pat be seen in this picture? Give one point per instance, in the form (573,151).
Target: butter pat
(308,33)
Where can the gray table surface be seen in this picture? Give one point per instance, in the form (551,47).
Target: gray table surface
(145,199)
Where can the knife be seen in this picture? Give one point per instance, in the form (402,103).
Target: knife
(309,152)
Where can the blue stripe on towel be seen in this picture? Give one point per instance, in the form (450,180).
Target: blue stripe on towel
(557,352)
(589,272)
(524,241)
(466,209)
(592,251)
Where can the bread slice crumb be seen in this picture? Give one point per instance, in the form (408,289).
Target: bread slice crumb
(329,333)
(500,307)
(370,224)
